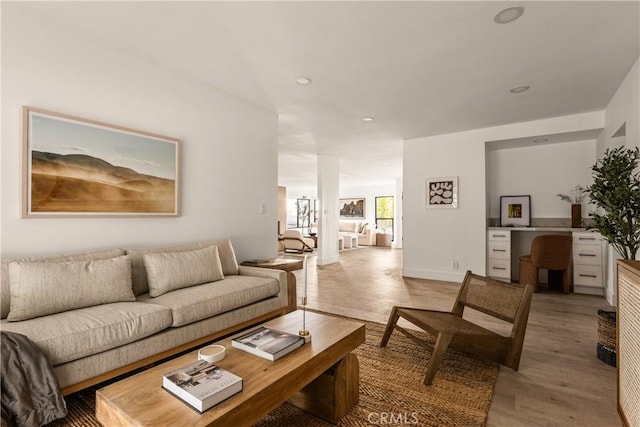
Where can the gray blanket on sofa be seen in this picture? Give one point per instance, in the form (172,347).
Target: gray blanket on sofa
(30,392)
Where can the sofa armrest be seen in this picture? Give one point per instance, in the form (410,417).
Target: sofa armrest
(279,275)
(367,238)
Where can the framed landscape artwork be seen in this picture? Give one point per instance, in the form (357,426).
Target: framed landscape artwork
(79,167)
(515,211)
(352,208)
(441,192)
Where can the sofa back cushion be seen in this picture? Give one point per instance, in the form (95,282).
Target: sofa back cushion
(5,293)
(41,288)
(168,271)
(347,227)
(139,273)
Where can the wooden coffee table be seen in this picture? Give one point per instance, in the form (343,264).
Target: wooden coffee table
(321,377)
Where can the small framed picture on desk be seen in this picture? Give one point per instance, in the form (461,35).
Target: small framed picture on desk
(515,211)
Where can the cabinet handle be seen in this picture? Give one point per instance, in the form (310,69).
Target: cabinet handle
(499,250)
(586,238)
(499,268)
(588,275)
(586,254)
(499,235)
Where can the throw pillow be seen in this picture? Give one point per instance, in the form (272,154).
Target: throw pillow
(5,293)
(139,273)
(41,288)
(363,227)
(175,270)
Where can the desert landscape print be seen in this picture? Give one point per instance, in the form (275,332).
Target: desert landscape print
(80,168)
(80,183)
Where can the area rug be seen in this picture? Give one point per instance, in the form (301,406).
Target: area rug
(391,390)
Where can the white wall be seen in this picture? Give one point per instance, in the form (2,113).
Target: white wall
(624,107)
(227,167)
(352,192)
(369,193)
(434,238)
(541,171)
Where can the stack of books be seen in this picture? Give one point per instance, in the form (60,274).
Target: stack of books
(202,384)
(268,343)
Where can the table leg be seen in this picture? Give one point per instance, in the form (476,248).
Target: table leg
(332,394)
(292,292)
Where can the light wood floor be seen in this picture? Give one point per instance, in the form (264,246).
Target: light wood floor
(560,381)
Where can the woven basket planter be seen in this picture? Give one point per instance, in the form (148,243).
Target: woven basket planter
(606,349)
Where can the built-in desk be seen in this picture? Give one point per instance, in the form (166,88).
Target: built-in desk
(505,245)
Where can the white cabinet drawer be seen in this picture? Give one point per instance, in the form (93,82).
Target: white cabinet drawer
(499,250)
(587,254)
(500,235)
(499,268)
(588,275)
(586,238)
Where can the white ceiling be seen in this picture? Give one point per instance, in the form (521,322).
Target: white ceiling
(420,68)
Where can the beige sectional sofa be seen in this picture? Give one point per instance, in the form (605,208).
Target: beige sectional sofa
(362,230)
(98,314)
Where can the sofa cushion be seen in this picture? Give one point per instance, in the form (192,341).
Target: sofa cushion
(41,288)
(79,333)
(347,227)
(139,274)
(200,302)
(5,294)
(175,270)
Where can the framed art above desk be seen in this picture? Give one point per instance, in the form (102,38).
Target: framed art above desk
(515,211)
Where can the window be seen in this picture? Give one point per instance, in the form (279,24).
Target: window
(384,214)
(298,213)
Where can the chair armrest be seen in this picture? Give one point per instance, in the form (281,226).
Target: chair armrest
(304,244)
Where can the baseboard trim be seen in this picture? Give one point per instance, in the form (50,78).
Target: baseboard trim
(328,260)
(434,275)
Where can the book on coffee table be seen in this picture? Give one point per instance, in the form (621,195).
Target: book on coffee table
(268,343)
(201,384)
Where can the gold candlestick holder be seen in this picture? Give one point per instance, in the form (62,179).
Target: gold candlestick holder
(304,333)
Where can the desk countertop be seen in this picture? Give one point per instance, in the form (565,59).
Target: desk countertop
(566,229)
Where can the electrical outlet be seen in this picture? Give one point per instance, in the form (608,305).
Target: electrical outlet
(454,264)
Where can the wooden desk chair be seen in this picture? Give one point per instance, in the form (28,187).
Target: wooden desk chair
(552,252)
(506,301)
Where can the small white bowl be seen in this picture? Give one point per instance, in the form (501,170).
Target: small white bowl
(212,353)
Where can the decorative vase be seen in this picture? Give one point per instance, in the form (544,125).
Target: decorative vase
(576,215)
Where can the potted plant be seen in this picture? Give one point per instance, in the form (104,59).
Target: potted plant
(576,196)
(616,192)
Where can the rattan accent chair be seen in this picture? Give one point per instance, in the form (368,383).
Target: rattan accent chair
(506,301)
(552,252)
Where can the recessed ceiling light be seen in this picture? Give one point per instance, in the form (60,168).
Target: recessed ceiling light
(302,80)
(538,141)
(519,89)
(367,119)
(508,14)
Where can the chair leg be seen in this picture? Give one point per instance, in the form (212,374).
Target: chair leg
(391,323)
(439,350)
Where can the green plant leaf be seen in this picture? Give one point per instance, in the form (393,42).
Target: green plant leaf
(616,190)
